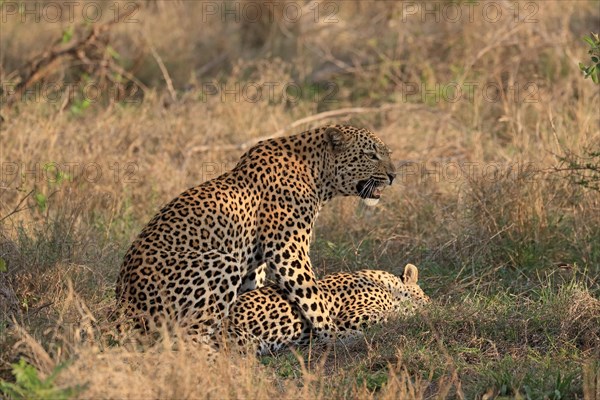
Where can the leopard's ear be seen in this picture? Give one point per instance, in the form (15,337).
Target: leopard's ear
(338,139)
(410,274)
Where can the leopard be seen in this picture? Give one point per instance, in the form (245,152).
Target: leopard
(206,246)
(265,319)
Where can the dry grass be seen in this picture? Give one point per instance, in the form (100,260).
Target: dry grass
(509,248)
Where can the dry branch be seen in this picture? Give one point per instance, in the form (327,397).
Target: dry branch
(165,73)
(42,65)
(18,207)
(312,118)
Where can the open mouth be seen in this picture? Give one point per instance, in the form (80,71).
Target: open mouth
(370,189)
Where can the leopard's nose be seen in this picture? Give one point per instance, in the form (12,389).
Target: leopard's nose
(391,177)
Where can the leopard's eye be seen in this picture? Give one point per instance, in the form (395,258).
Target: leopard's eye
(372,156)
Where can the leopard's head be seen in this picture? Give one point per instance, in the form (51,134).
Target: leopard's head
(410,290)
(361,163)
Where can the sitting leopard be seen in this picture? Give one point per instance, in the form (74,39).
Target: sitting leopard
(202,249)
(265,318)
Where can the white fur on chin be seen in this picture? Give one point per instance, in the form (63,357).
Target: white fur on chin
(371,202)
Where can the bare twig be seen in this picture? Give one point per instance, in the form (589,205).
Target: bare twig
(18,207)
(165,73)
(299,122)
(40,66)
(40,308)
(211,64)
(130,76)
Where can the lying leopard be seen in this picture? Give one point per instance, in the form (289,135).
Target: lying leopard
(265,318)
(202,250)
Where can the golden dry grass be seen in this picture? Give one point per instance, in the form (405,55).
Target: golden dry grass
(507,246)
